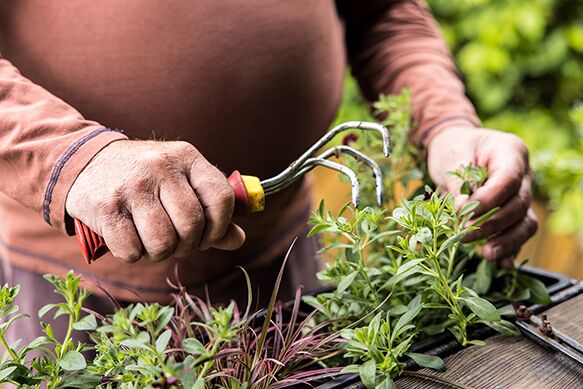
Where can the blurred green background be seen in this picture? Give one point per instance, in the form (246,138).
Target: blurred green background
(522,64)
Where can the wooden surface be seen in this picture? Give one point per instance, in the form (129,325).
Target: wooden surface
(509,363)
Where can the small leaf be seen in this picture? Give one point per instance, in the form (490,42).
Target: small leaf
(429,361)
(485,217)
(387,383)
(481,307)
(484,275)
(350,369)
(137,342)
(5,373)
(408,265)
(469,207)
(538,290)
(368,372)
(193,346)
(318,228)
(73,361)
(198,384)
(346,281)
(87,323)
(43,311)
(424,235)
(504,327)
(163,340)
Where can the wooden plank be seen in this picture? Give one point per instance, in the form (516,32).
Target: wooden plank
(506,363)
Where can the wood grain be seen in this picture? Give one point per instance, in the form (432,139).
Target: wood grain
(515,363)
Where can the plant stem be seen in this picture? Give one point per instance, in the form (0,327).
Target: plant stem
(10,351)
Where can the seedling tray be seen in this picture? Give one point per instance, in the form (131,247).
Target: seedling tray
(444,344)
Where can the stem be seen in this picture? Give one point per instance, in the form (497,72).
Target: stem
(67,336)
(10,351)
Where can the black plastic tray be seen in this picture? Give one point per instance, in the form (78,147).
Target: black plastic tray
(444,344)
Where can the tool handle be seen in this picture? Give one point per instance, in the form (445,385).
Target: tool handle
(249,197)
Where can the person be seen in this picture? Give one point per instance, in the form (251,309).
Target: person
(127,115)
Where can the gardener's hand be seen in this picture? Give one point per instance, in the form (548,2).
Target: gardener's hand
(155,199)
(508,185)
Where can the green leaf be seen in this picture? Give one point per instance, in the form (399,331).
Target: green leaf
(43,311)
(450,242)
(87,323)
(193,346)
(346,281)
(485,217)
(408,265)
(424,235)
(469,207)
(368,372)
(198,384)
(73,361)
(484,275)
(407,317)
(163,340)
(318,228)
(538,290)
(5,373)
(138,342)
(481,307)
(387,383)
(350,369)
(430,361)
(504,327)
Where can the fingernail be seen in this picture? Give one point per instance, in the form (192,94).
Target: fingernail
(491,252)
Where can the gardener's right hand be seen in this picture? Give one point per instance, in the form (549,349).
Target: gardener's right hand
(155,200)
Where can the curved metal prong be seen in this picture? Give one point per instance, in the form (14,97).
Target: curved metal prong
(298,165)
(376,169)
(311,163)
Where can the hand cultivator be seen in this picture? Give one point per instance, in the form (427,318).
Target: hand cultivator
(250,191)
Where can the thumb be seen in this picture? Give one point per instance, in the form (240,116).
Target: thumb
(453,185)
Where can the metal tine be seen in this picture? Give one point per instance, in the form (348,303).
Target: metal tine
(376,169)
(298,165)
(311,163)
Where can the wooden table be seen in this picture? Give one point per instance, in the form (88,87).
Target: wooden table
(506,363)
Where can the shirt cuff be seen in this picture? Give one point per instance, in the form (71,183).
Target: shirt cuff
(66,170)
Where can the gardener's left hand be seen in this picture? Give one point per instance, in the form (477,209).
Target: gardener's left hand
(508,185)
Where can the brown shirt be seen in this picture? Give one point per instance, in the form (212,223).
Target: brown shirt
(250,83)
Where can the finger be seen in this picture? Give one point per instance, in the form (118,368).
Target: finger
(232,240)
(510,241)
(507,262)
(453,186)
(506,169)
(511,213)
(155,229)
(216,197)
(122,239)
(186,214)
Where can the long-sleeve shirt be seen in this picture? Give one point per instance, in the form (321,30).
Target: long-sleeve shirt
(250,83)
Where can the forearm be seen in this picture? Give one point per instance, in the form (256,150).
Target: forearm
(402,47)
(44,144)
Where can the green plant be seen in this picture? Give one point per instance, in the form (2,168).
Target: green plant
(472,178)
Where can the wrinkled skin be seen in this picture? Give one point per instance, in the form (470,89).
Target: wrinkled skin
(508,185)
(155,200)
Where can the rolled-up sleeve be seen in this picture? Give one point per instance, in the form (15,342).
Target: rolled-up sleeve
(44,145)
(397,44)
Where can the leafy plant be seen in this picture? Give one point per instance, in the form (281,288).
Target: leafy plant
(472,178)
